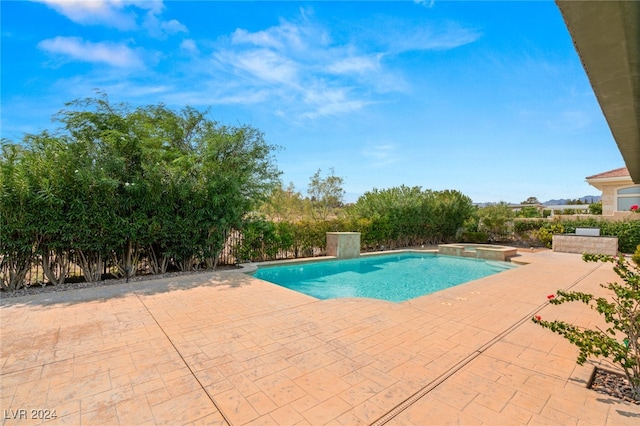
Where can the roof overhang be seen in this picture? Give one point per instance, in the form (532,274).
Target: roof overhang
(606,35)
(600,183)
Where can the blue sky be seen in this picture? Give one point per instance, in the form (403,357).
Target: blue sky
(488,98)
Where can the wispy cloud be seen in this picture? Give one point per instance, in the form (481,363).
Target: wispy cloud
(382,154)
(441,37)
(299,65)
(75,48)
(120,14)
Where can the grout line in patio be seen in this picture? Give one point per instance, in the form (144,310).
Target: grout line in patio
(183,360)
(395,411)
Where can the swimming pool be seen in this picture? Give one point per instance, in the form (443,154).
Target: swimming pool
(394,277)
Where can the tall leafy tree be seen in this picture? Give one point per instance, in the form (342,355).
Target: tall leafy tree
(326,194)
(116,183)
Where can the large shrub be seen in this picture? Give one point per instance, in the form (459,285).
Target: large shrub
(404,216)
(113,184)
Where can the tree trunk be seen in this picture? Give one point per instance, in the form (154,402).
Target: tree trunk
(14,271)
(55,265)
(91,264)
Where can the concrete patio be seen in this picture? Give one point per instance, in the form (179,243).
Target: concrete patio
(224,348)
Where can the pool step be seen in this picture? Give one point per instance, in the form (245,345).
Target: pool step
(499,266)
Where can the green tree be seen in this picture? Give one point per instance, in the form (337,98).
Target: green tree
(531,200)
(285,205)
(326,194)
(115,183)
(495,220)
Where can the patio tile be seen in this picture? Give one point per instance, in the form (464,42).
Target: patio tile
(236,407)
(267,355)
(326,411)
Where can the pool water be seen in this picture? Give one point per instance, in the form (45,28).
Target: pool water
(394,277)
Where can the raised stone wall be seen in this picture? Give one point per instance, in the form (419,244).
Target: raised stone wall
(343,245)
(585,244)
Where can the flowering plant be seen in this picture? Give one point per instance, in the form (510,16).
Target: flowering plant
(620,342)
(634,208)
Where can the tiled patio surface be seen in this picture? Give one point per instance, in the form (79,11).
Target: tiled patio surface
(224,348)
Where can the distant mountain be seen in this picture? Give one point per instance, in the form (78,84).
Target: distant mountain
(587,199)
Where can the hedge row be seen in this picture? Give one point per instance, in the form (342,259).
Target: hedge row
(627,231)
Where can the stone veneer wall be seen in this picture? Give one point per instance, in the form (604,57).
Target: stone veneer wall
(343,245)
(585,244)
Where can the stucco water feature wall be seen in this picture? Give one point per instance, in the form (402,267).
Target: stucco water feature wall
(343,245)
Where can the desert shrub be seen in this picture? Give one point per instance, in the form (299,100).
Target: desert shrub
(545,234)
(496,220)
(474,237)
(620,342)
(636,256)
(595,208)
(521,226)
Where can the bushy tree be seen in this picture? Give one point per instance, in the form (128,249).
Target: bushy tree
(286,204)
(326,194)
(408,215)
(496,220)
(115,183)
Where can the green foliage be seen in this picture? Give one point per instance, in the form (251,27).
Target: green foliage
(404,216)
(620,342)
(521,226)
(529,212)
(286,205)
(636,256)
(531,200)
(545,233)
(326,194)
(115,184)
(627,231)
(595,208)
(474,237)
(496,220)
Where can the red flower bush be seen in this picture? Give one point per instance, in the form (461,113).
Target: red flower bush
(634,208)
(620,341)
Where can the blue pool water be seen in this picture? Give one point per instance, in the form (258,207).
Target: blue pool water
(393,277)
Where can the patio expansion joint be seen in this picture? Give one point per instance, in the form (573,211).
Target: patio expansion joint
(468,359)
(184,361)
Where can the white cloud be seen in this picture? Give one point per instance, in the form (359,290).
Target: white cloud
(448,36)
(291,36)
(355,64)
(161,29)
(95,12)
(266,65)
(189,46)
(381,155)
(114,54)
(299,65)
(119,14)
(426,3)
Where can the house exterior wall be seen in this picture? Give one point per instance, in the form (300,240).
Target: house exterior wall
(609,199)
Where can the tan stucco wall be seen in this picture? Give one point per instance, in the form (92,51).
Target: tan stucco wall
(609,199)
(343,245)
(582,244)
